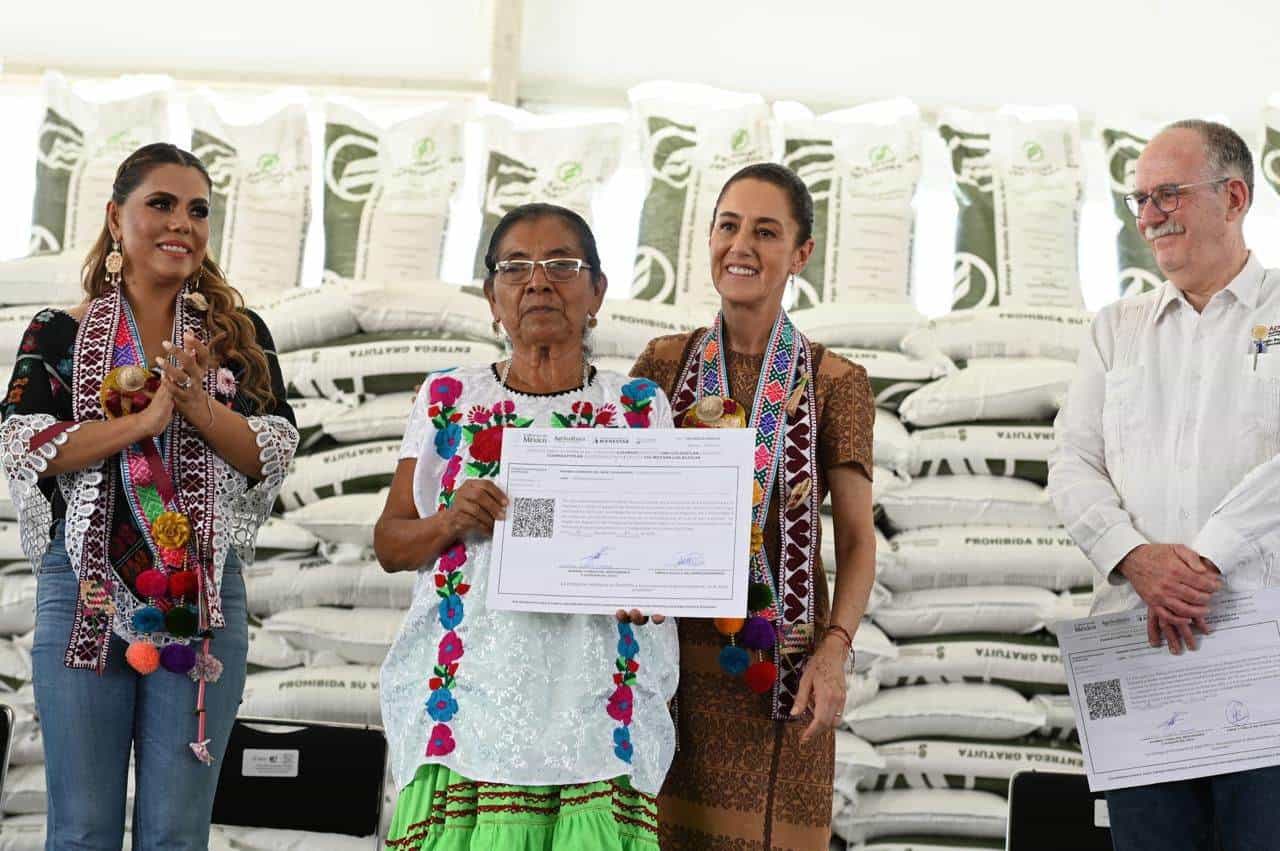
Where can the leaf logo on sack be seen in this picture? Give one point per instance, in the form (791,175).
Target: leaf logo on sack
(1033,151)
(269,169)
(122,142)
(738,143)
(881,155)
(424,150)
(569,172)
(962,434)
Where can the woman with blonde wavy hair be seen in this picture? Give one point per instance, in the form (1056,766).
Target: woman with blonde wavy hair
(145,436)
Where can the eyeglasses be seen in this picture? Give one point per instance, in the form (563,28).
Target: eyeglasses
(1166,198)
(558,270)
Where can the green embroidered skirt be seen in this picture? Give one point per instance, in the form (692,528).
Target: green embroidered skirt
(443,811)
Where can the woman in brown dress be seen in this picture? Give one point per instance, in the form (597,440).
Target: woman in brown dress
(757,702)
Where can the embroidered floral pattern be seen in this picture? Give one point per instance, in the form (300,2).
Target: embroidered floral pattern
(583,414)
(637,398)
(483,434)
(441,706)
(621,703)
(441,394)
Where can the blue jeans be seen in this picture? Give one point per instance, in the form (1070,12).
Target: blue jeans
(91,722)
(1230,812)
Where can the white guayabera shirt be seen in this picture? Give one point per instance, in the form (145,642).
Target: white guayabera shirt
(1170,434)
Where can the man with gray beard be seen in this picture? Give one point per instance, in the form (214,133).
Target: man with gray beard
(1166,474)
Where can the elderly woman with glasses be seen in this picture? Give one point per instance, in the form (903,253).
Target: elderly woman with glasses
(517,730)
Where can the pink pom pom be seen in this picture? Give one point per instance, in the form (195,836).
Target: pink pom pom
(143,657)
(207,668)
(152,583)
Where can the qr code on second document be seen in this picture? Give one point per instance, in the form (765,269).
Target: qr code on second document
(532,517)
(1104,699)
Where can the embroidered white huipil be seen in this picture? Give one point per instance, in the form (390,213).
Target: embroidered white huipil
(532,699)
(1170,434)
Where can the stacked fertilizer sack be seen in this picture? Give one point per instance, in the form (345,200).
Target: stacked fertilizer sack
(978,571)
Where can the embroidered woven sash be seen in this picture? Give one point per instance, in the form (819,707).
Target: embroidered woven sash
(785,464)
(188,458)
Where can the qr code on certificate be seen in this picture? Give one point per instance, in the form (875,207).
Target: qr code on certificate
(533,517)
(1104,699)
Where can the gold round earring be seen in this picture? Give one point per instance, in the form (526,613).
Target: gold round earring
(114,264)
(592,321)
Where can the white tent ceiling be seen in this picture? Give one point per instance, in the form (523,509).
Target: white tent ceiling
(1145,58)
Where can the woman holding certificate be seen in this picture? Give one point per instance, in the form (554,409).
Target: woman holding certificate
(759,697)
(506,729)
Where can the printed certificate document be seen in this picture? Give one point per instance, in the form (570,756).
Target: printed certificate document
(603,519)
(1147,716)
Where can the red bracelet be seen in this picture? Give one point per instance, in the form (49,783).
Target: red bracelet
(842,633)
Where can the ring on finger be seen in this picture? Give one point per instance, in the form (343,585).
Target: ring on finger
(186,385)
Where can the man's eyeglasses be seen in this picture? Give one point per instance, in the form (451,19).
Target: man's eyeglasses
(558,270)
(1166,198)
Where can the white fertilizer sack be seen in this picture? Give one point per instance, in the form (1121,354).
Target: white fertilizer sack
(560,159)
(871,646)
(890,444)
(856,762)
(1028,389)
(971,763)
(692,139)
(261,203)
(17,603)
(311,415)
(421,306)
(282,584)
(81,144)
(41,280)
(1030,664)
(341,693)
(923,812)
(278,536)
(1017,450)
(960,556)
(627,325)
(1002,332)
(893,375)
(360,636)
(380,418)
(1123,143)
(1019,186)
(358,468)
(341,519)
(968,501)
(993,608)
(963,710)
(861,166)
(375,368)
(308,317)
(861,326)
(387,191)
